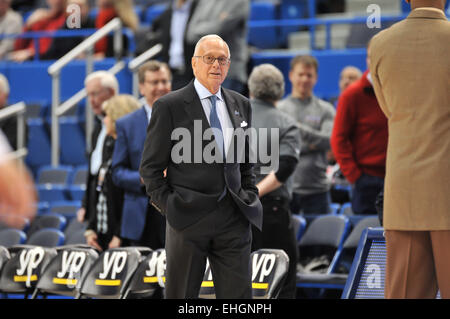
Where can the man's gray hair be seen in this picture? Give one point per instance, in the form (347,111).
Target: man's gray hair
(107,80)
(266,82)
(4,84)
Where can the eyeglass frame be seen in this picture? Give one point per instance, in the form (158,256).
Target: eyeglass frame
(228,60)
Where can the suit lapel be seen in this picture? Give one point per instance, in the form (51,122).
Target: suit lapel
(193,106)
(234,111)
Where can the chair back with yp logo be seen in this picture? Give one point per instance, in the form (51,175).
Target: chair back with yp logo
(111,273)
(22,271)
(65,271)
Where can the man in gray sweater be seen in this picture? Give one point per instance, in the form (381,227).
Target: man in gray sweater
(315,119)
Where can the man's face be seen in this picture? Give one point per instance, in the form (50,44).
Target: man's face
(97,94)
(348,76)
(155,85)
(303,79)
(211,75)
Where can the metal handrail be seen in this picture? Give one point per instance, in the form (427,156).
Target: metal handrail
(55,71)
(134,64)
(17,110)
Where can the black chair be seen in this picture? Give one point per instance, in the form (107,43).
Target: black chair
(65,271)
(46,237)
(111,273)
(4,257)
(321,245)
(22,271)
(49,220)
(67,209)
(74,232)
(269,269)
(149,278)
(299,226)
(11,236)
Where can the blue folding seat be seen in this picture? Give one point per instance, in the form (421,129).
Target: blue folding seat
(72,141)
(291,9)
(52,181)
(262,37)
(49,220)
(67,209)
(46,237)
(39,149)
(77,183)
(11,236)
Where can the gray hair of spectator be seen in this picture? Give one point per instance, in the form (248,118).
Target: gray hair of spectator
(210,37)
(4,84)
(107,80)
(266,82)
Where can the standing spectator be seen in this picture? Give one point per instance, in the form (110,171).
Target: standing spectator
(266,86)
(108,10)
(142,225)
(359,143)
(100,87)
(10,23)
(315,119)
(410,69)
(43,19)
(9,125)
(348,75)
(103,230)
(169,29)
(228,19)
(210,204)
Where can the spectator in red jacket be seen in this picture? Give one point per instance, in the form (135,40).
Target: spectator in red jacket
(359,143)
(43,19)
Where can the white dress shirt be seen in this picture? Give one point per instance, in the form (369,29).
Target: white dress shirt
(222,112)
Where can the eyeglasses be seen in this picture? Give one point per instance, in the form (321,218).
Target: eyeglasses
(210,59)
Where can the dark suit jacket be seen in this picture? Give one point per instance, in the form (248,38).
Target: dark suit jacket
(131,131)
(191,190)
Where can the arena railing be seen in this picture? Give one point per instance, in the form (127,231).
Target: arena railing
(312,23)
(87,46)
(17,110)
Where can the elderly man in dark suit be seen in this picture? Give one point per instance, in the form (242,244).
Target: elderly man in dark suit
(209,204)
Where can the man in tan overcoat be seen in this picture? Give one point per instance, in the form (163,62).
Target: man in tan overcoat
(410,67)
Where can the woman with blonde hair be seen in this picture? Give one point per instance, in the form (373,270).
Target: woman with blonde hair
(104,225)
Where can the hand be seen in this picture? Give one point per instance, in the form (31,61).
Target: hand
(17,194)
(21,55)
(115,242)
(91,240)
(80,214)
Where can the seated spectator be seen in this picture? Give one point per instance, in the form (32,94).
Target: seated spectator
(64,44)
(43,19)
(10,23)
(104,225)
(108,10)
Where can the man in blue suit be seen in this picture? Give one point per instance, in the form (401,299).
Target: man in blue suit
(142,225)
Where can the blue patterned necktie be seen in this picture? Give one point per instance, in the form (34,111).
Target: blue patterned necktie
(218,134)
(215,124)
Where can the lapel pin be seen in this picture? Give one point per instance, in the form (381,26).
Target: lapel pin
(236,112)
